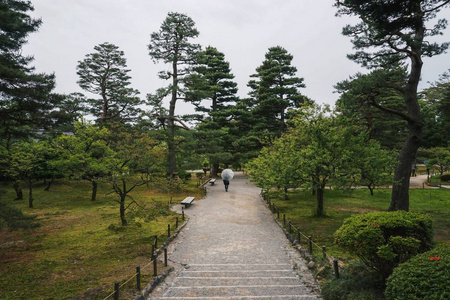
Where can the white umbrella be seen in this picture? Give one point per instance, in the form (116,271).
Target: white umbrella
(227,174)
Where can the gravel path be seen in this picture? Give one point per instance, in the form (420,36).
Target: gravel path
(231,248)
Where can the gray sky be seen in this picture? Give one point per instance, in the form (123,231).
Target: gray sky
(242,29)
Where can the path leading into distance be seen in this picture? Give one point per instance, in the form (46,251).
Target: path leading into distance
(231,248)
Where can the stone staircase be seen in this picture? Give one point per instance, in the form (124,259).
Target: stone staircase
(237,281)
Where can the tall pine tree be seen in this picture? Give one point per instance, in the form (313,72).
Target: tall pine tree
(274,91)
(25,96)
(212,90)
(171,45)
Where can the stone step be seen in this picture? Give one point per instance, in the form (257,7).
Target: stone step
(238,273)
(237,291)
(239,267)
(235,281)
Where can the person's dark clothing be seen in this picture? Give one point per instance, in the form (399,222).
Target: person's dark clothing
(226,183)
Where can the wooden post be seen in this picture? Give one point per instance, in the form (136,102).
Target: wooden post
(284,220)
(153,252)
(310,245)
(298,234)
(324,251)
(336,268)
(182,213)
(168,230)
(165,257)
(116,291)
(176,222)
(290,226)
(155,267)
(156,242)
(138,278)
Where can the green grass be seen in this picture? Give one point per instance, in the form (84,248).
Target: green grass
(81,247)
(356,282)
(340,205)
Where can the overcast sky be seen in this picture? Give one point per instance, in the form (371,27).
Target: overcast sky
(242,29)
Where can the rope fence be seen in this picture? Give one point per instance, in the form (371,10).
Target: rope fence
(287,224)
(152,265)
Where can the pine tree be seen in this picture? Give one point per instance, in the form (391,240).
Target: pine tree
(391,33)
(212,83)
(274,91)
(105,73)
(171,45)
(25,96)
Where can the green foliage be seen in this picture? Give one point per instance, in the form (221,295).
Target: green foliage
(14,219)
(25,96)
(383,240)
(171,45)
(363,93)
(425,276)
(104,73)
(436,111)
(356,282)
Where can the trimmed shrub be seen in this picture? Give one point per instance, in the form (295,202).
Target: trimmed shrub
(425,276)
(382,240)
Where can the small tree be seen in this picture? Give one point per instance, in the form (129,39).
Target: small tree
(130,150)
(86,155)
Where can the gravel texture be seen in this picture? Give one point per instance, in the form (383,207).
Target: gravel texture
(231,248)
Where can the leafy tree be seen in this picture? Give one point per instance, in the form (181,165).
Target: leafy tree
(436,108)
(212,82)
(275,89)
(375,165)
(391,32)
(131,152)
(438,157)
(277,166)
(105,73)
(86,154)
(25,96)
(29,162)
(171,45)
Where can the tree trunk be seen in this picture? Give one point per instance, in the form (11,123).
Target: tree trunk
(122,210)
(286,193)
(30,193)
(320,211)
(47,188)
(94,190)
(214,169)
(171,125)
(18,189)
(407,155)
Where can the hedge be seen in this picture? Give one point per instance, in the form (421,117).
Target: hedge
(425,276)
(382,240)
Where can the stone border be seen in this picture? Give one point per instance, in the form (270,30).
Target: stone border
(145,293)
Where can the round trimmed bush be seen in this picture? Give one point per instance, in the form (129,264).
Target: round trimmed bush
(425,276)
(382,240)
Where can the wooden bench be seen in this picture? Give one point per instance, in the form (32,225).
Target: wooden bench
(187,201)
(212,181)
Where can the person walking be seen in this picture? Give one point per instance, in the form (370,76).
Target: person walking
(226,183)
